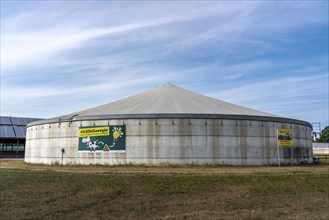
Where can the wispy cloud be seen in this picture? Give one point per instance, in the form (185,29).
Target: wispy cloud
(36,47)
(287,96)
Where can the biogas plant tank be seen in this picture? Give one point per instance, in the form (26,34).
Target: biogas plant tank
(169,125)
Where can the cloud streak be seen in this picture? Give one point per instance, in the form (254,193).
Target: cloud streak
(287,96)
(23,49)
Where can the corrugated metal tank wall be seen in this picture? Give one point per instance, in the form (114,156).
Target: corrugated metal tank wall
(173,141)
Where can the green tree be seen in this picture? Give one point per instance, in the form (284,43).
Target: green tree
(324,135)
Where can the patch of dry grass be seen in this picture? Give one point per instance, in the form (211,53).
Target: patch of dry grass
(35,194)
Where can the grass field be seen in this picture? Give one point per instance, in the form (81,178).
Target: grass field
(138,192)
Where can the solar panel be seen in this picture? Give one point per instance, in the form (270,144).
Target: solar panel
(25,121)
(14,120)
(4,120)
(19,131)
(28,120)
(21,121)
(7,132)
(14,127)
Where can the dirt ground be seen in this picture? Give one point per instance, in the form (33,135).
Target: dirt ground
(179,169)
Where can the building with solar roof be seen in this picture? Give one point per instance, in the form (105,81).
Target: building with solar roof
(12,136)
(169,125)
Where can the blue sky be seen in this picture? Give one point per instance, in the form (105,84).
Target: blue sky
(59,57)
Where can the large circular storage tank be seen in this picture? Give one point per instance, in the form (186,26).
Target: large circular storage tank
(167,125)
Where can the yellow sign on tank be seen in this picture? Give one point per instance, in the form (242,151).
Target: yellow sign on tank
(284,137)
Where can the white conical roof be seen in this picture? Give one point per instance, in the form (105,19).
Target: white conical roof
(169,99)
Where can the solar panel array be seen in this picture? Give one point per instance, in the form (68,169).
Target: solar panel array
(7,132)
(14,127)
(5,120)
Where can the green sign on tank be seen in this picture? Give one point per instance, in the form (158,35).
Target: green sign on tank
(102,138)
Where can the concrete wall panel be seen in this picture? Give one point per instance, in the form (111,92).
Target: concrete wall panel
(173,141)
